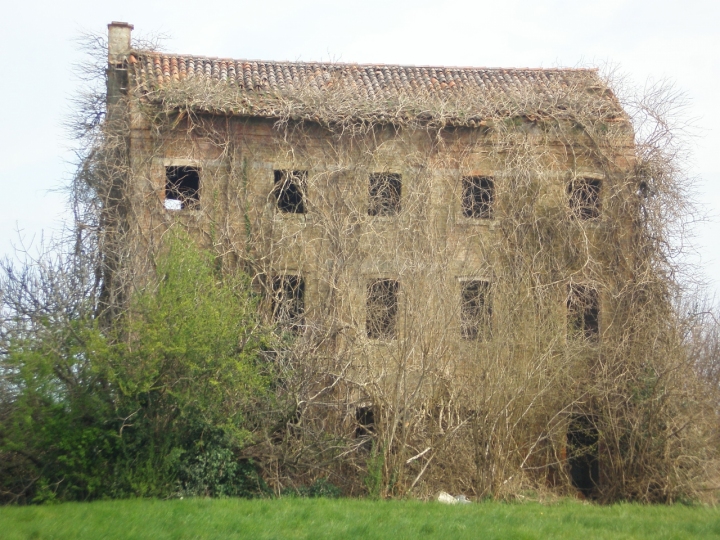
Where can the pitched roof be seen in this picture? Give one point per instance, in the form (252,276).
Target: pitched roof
(375,81)
(336,93)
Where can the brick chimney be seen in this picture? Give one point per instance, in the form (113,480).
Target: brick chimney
(118,41)
(117,73)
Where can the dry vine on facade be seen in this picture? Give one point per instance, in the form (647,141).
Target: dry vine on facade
(469,264)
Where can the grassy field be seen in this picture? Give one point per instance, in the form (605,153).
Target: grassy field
(348,518)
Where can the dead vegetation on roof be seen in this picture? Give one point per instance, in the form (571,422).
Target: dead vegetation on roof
(333,101)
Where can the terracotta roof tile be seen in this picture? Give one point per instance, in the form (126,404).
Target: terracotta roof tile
(373,80)
(460,95)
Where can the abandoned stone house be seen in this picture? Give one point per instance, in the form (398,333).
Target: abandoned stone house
(414,226)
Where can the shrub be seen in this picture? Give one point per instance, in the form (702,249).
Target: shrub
(160,403)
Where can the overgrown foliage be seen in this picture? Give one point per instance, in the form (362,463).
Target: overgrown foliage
(161,403)
(474,292)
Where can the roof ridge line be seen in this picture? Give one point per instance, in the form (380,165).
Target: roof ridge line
(361,65)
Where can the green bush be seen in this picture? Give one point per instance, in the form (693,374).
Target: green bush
(160,404)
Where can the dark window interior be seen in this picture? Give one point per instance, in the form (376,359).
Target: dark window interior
(289,302)
(385,189)
(584,196)
(582,445)
(476,310)
(382,308)
(182,184)
(289,191)
(478,197)
(584,312)
(365,418)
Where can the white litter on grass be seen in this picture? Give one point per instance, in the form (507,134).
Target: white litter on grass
(446,498)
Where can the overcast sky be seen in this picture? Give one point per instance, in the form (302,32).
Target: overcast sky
(647,40)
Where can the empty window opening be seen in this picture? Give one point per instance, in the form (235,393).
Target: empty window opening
(475,310)
(365,420)
(384,194)
(582,452)
(288,304)
(583,306)
(289,191)
(584,196)
(182,188)
(478,197)
(382,308)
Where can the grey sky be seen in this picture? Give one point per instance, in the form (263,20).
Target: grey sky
(645,39)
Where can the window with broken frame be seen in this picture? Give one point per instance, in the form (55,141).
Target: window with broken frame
(478,197)
(382,309)
(584,198)
(475,310)
(384,193)
(583,312)
(288,302)
(289,191)
(182,188)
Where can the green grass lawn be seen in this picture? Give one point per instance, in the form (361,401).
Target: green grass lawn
(351,518)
